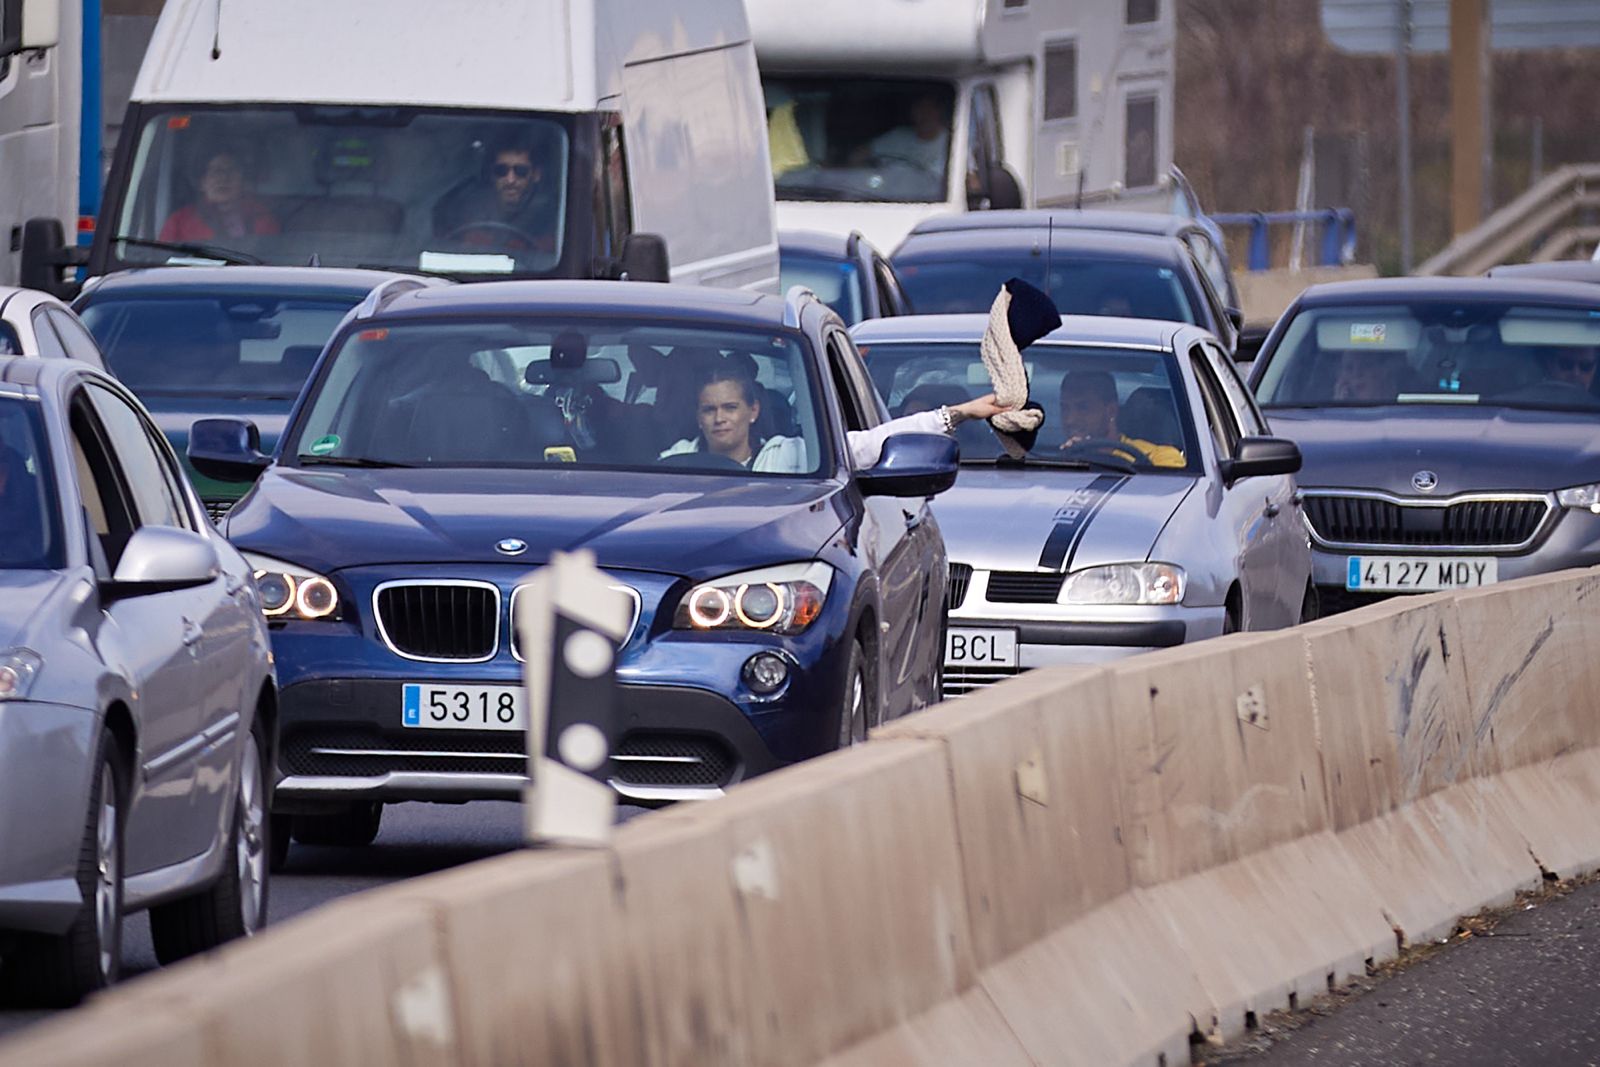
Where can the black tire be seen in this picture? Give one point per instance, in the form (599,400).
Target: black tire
(235,905)
(938,662)
(855,706)
(1231,621)
(60,970)
(281,829)
(351,828)
(1311,605)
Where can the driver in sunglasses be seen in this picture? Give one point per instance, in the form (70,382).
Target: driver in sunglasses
(1572,366)
(509,210)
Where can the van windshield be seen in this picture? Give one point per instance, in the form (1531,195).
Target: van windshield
(444,190)
(859,139)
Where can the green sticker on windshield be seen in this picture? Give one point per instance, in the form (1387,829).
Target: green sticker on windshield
(323,445)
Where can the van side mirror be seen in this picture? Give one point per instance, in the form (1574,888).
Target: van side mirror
(1260,456)
(1001,191)
(912,464)
(44,253)
(228,450)
(29,24)
(644,258)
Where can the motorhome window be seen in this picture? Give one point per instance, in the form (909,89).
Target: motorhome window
(614,180)
(222,345)
(844,139)
(1061,81)
(433,189)
(576,393)
(1082,285)
(1141,11)
(983,139)
(1139,145)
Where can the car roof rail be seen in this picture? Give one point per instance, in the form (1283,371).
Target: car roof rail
(794,302)
(386,291)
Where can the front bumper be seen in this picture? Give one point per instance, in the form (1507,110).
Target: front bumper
(1090,636)
(46,752)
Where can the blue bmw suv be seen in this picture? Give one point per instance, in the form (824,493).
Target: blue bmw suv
(696,440)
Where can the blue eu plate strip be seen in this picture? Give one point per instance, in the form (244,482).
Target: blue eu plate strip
(412,697)
(1352,581)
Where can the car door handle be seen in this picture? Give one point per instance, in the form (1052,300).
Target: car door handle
(192,632)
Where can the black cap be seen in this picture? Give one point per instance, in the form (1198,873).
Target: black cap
(1032,313)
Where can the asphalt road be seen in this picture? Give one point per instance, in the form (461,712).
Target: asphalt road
(1525,991)
(415,839)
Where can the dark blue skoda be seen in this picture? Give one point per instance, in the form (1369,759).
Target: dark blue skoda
(693,439)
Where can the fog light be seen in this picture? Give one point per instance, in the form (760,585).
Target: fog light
(765,672)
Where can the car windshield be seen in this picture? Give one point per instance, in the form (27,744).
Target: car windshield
(259,347)
(1081,285)
(1479,353)
(859,138)
(1118,408)
(444,190)
(835,281)
(30,518)
(564,393)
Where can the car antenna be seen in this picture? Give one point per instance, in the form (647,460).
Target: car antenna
(216,33)
(1080,177)
(1049,250)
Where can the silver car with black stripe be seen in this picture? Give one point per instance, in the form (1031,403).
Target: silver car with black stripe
(1153,509)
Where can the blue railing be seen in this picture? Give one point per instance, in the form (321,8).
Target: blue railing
(1337,245)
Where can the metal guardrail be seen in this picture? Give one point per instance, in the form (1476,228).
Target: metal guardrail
(1337,245)
(1544,207)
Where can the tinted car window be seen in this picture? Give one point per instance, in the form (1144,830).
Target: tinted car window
(1436,352)
(575,392)
(1080,286)
(836,282)
(78,343)
(1142,389)
(9,345)
(30,516)
(44,334)
(157,500)
(239,346)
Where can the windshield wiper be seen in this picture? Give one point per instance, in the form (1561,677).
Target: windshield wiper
(227,255)
(351,461)
(1076,463)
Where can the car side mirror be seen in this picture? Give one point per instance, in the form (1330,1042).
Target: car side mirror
(912,465)
(644,258)
(228,450)
(1236,318)
(29,24)
(161,559)
(1260,456)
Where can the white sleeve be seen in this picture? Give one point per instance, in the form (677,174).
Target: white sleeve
(867,445)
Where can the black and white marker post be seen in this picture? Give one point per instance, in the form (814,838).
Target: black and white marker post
(571,620)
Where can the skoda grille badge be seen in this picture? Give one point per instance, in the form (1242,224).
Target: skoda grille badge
(511,546)
(1425,481)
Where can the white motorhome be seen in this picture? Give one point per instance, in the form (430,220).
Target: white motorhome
(882,113)
(582,138)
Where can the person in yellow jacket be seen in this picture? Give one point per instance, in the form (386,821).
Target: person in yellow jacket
(1089,411)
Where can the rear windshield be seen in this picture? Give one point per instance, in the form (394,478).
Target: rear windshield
(237,346)
(30,517)
(1079,286)
(1436,352)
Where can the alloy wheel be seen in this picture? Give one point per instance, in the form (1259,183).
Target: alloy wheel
(251,843)
(108,873)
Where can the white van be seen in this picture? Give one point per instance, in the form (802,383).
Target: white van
(881,114)
(492,138)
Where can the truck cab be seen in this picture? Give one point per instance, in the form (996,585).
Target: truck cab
(880,115)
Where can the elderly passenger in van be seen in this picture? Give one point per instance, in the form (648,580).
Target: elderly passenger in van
(226,207)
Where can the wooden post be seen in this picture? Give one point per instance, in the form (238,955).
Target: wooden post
(1469,111)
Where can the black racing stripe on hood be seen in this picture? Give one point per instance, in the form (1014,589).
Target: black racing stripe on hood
(1073,518)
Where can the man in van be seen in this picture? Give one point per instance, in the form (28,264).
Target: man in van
(923,143)
(509,209)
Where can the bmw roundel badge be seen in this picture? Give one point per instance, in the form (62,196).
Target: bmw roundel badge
(511,546)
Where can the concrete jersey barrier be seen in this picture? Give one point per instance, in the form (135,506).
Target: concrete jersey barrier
(1080,865)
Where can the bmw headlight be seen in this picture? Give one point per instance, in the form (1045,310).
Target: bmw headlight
(1126,583)
(18,668)
(780,600)
(1581,496)
(289,592)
